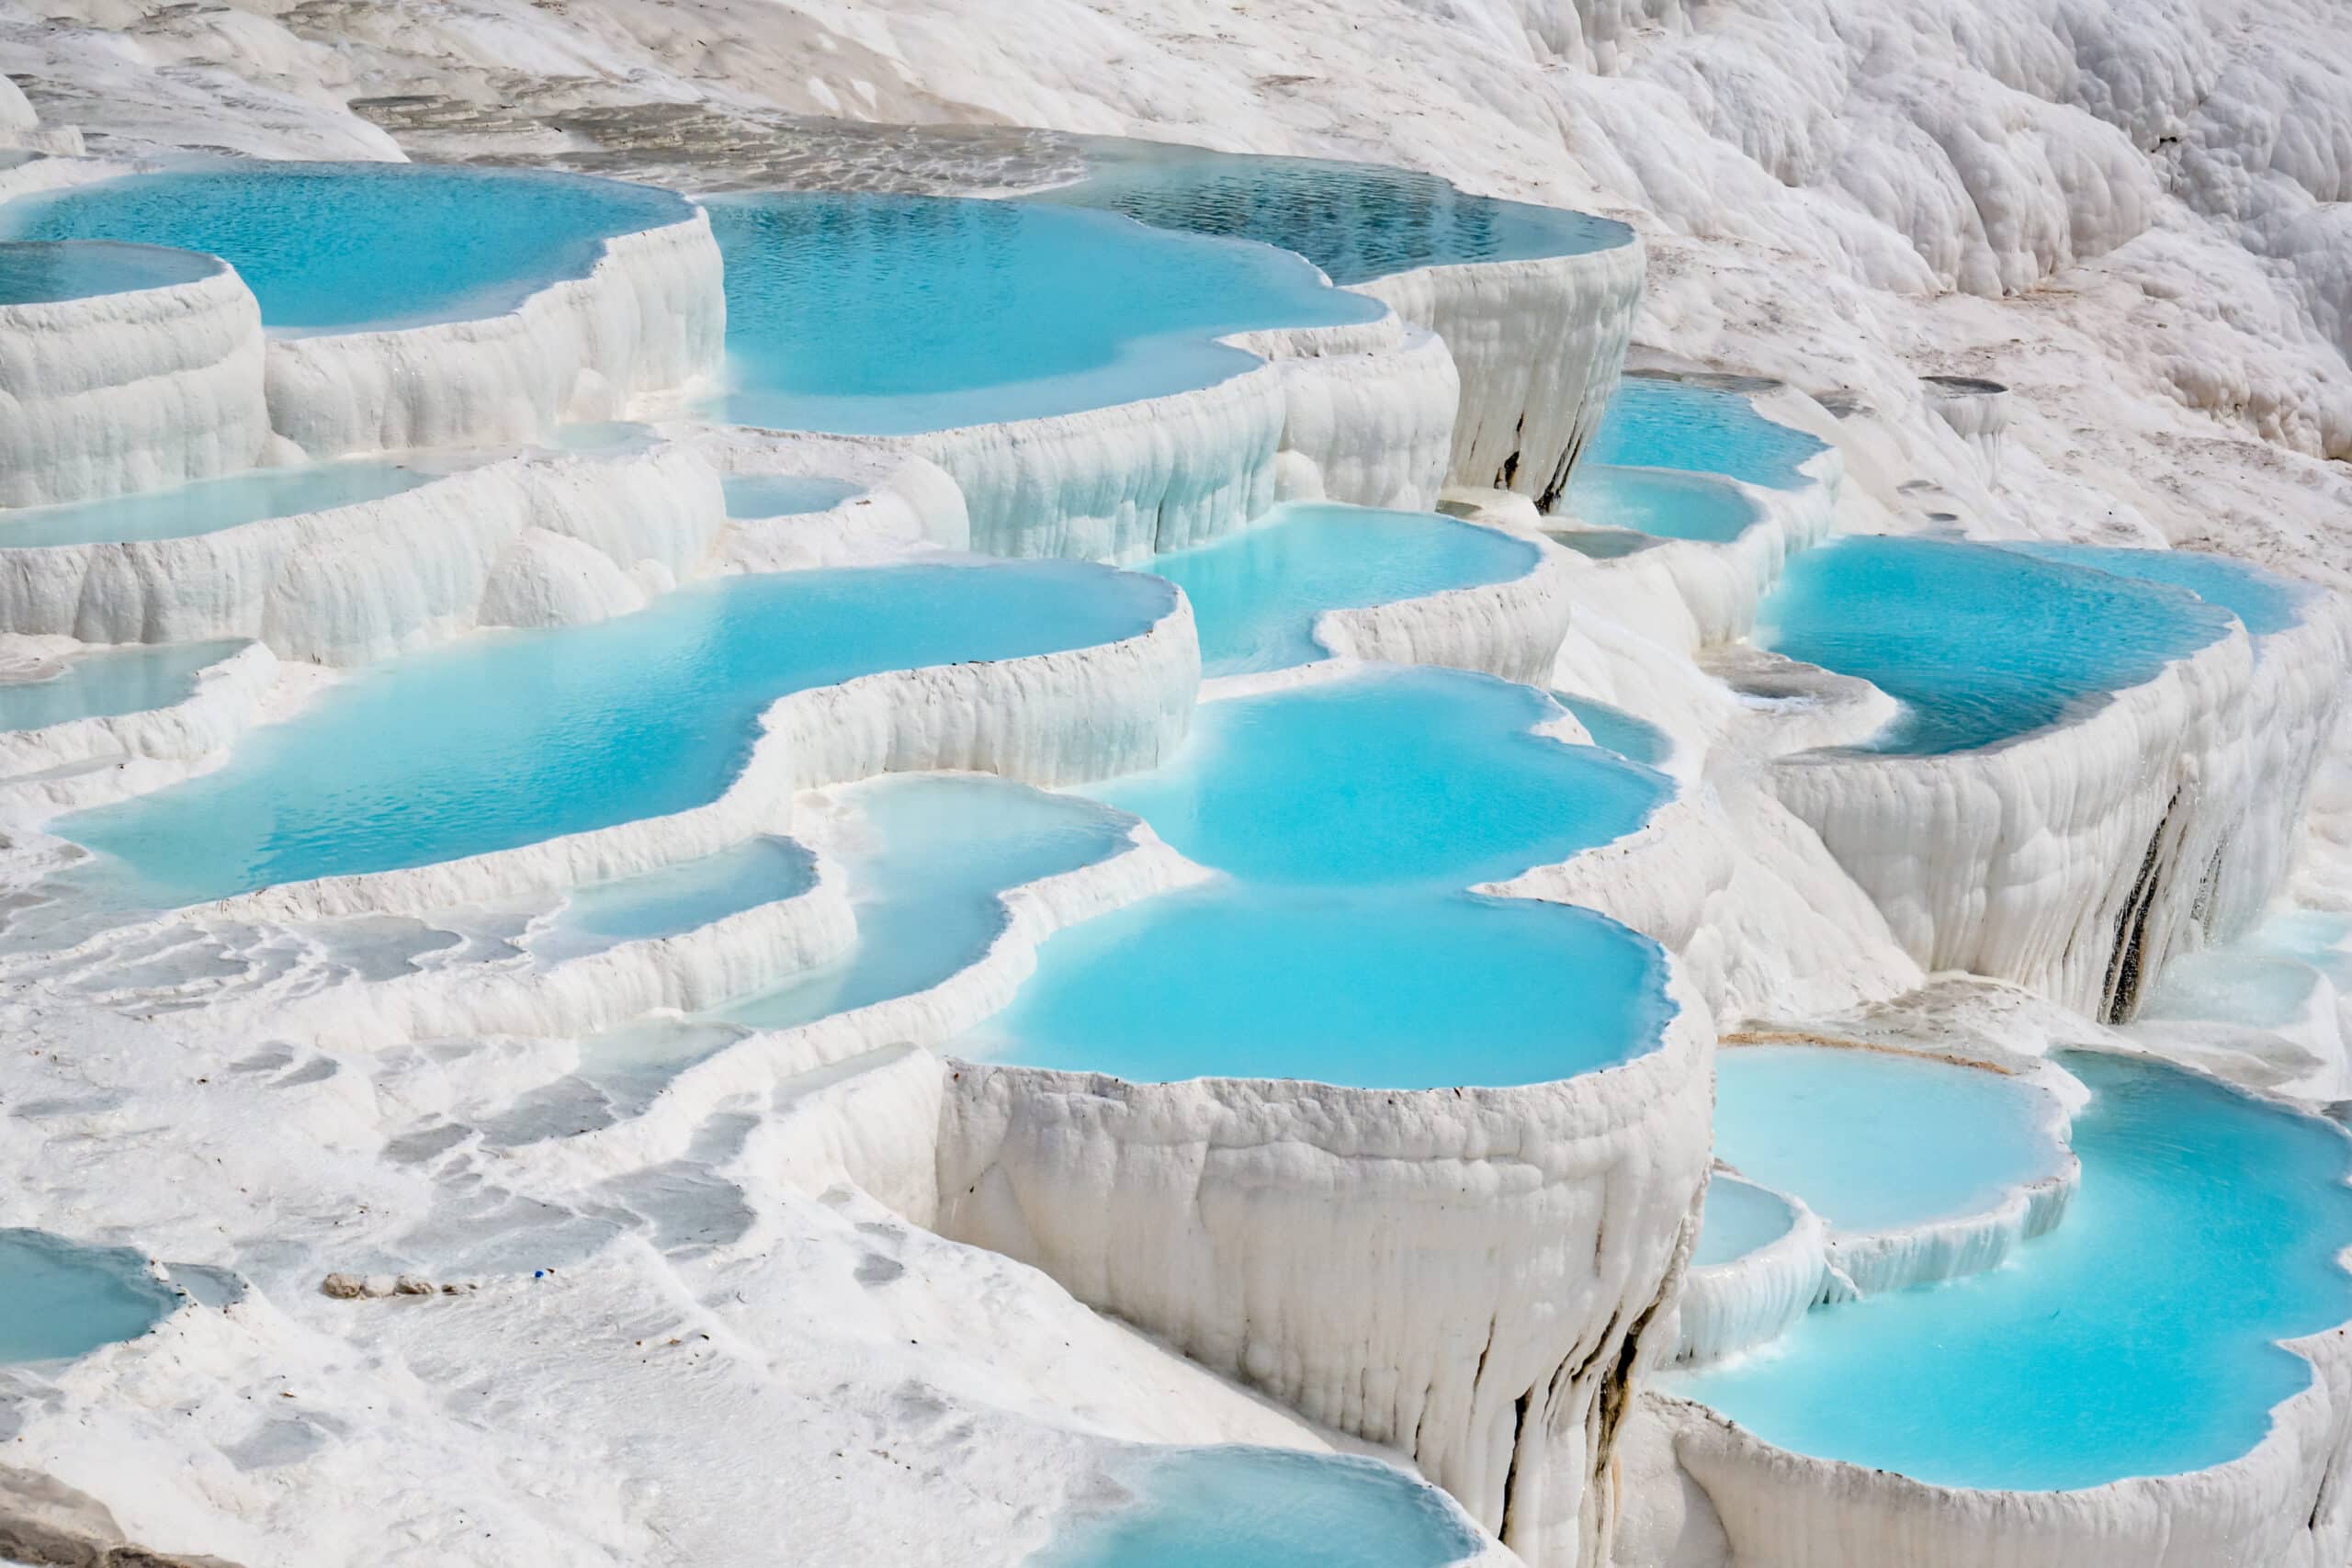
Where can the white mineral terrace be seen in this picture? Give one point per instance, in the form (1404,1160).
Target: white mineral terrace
(1571,790)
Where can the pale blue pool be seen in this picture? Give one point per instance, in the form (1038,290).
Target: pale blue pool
(870,315)
(1371,989)
(1875,1140)
(59,1300)
(40,274)
(2265,601)
(1738,1218)
(1340,947)
(681,897)
(1660,423)
(1357,222)
(1635,739)
(109,682)
(1980,643)
(928,855)
(1240,1507)
(1388,777)
(1256,594)
(2137,1338)
(1661,502)
(208,506)
(512,739)
(333,247)
(784,495)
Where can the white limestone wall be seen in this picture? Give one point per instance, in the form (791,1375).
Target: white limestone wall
(1752,1300)
(1116,484)
(1512,629)
(1538,345)
(361,583)
(685,971)
(2076,860)
(85,761)
(1370,425)
(1978,410)
(129,392)
(1050,720)
(1470,1275)
(645,327)
(904,504)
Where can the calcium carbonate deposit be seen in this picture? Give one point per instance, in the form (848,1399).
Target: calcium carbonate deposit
(1155,784)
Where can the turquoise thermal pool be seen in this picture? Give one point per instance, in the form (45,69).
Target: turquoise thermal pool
(784,495)
(109,682)
(59,1300)
(1738,1218)
(1657,422)
(1339,946)
(207,506)
(876,315)
(36,274)
(677,898)
(1390,777)
(1256,594)
(512,739)
(2139,1338)
(927,856)
(334,247)
(1265,1509)
(2265,603)
(1369,990)
(1357,222)
(1661,502)
(1879,1140)
(1979,643)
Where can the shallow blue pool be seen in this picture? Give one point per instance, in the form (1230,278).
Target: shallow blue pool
(1339,945)
(59,1300)
(1635,738)
(681,897)
(928,855)
(1256,594)
(36,274)
(866,314)
(2137,1338)
(1661,502)
(1980,643)
(2265,601)
(1368,989)
(208,506)
(1389,778)
(332,247)
(1356,221)
(1239,1508)
(512,739)
(784,495)
(1738,1218)
(109,682)
(1660,423)
(1873,1139)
